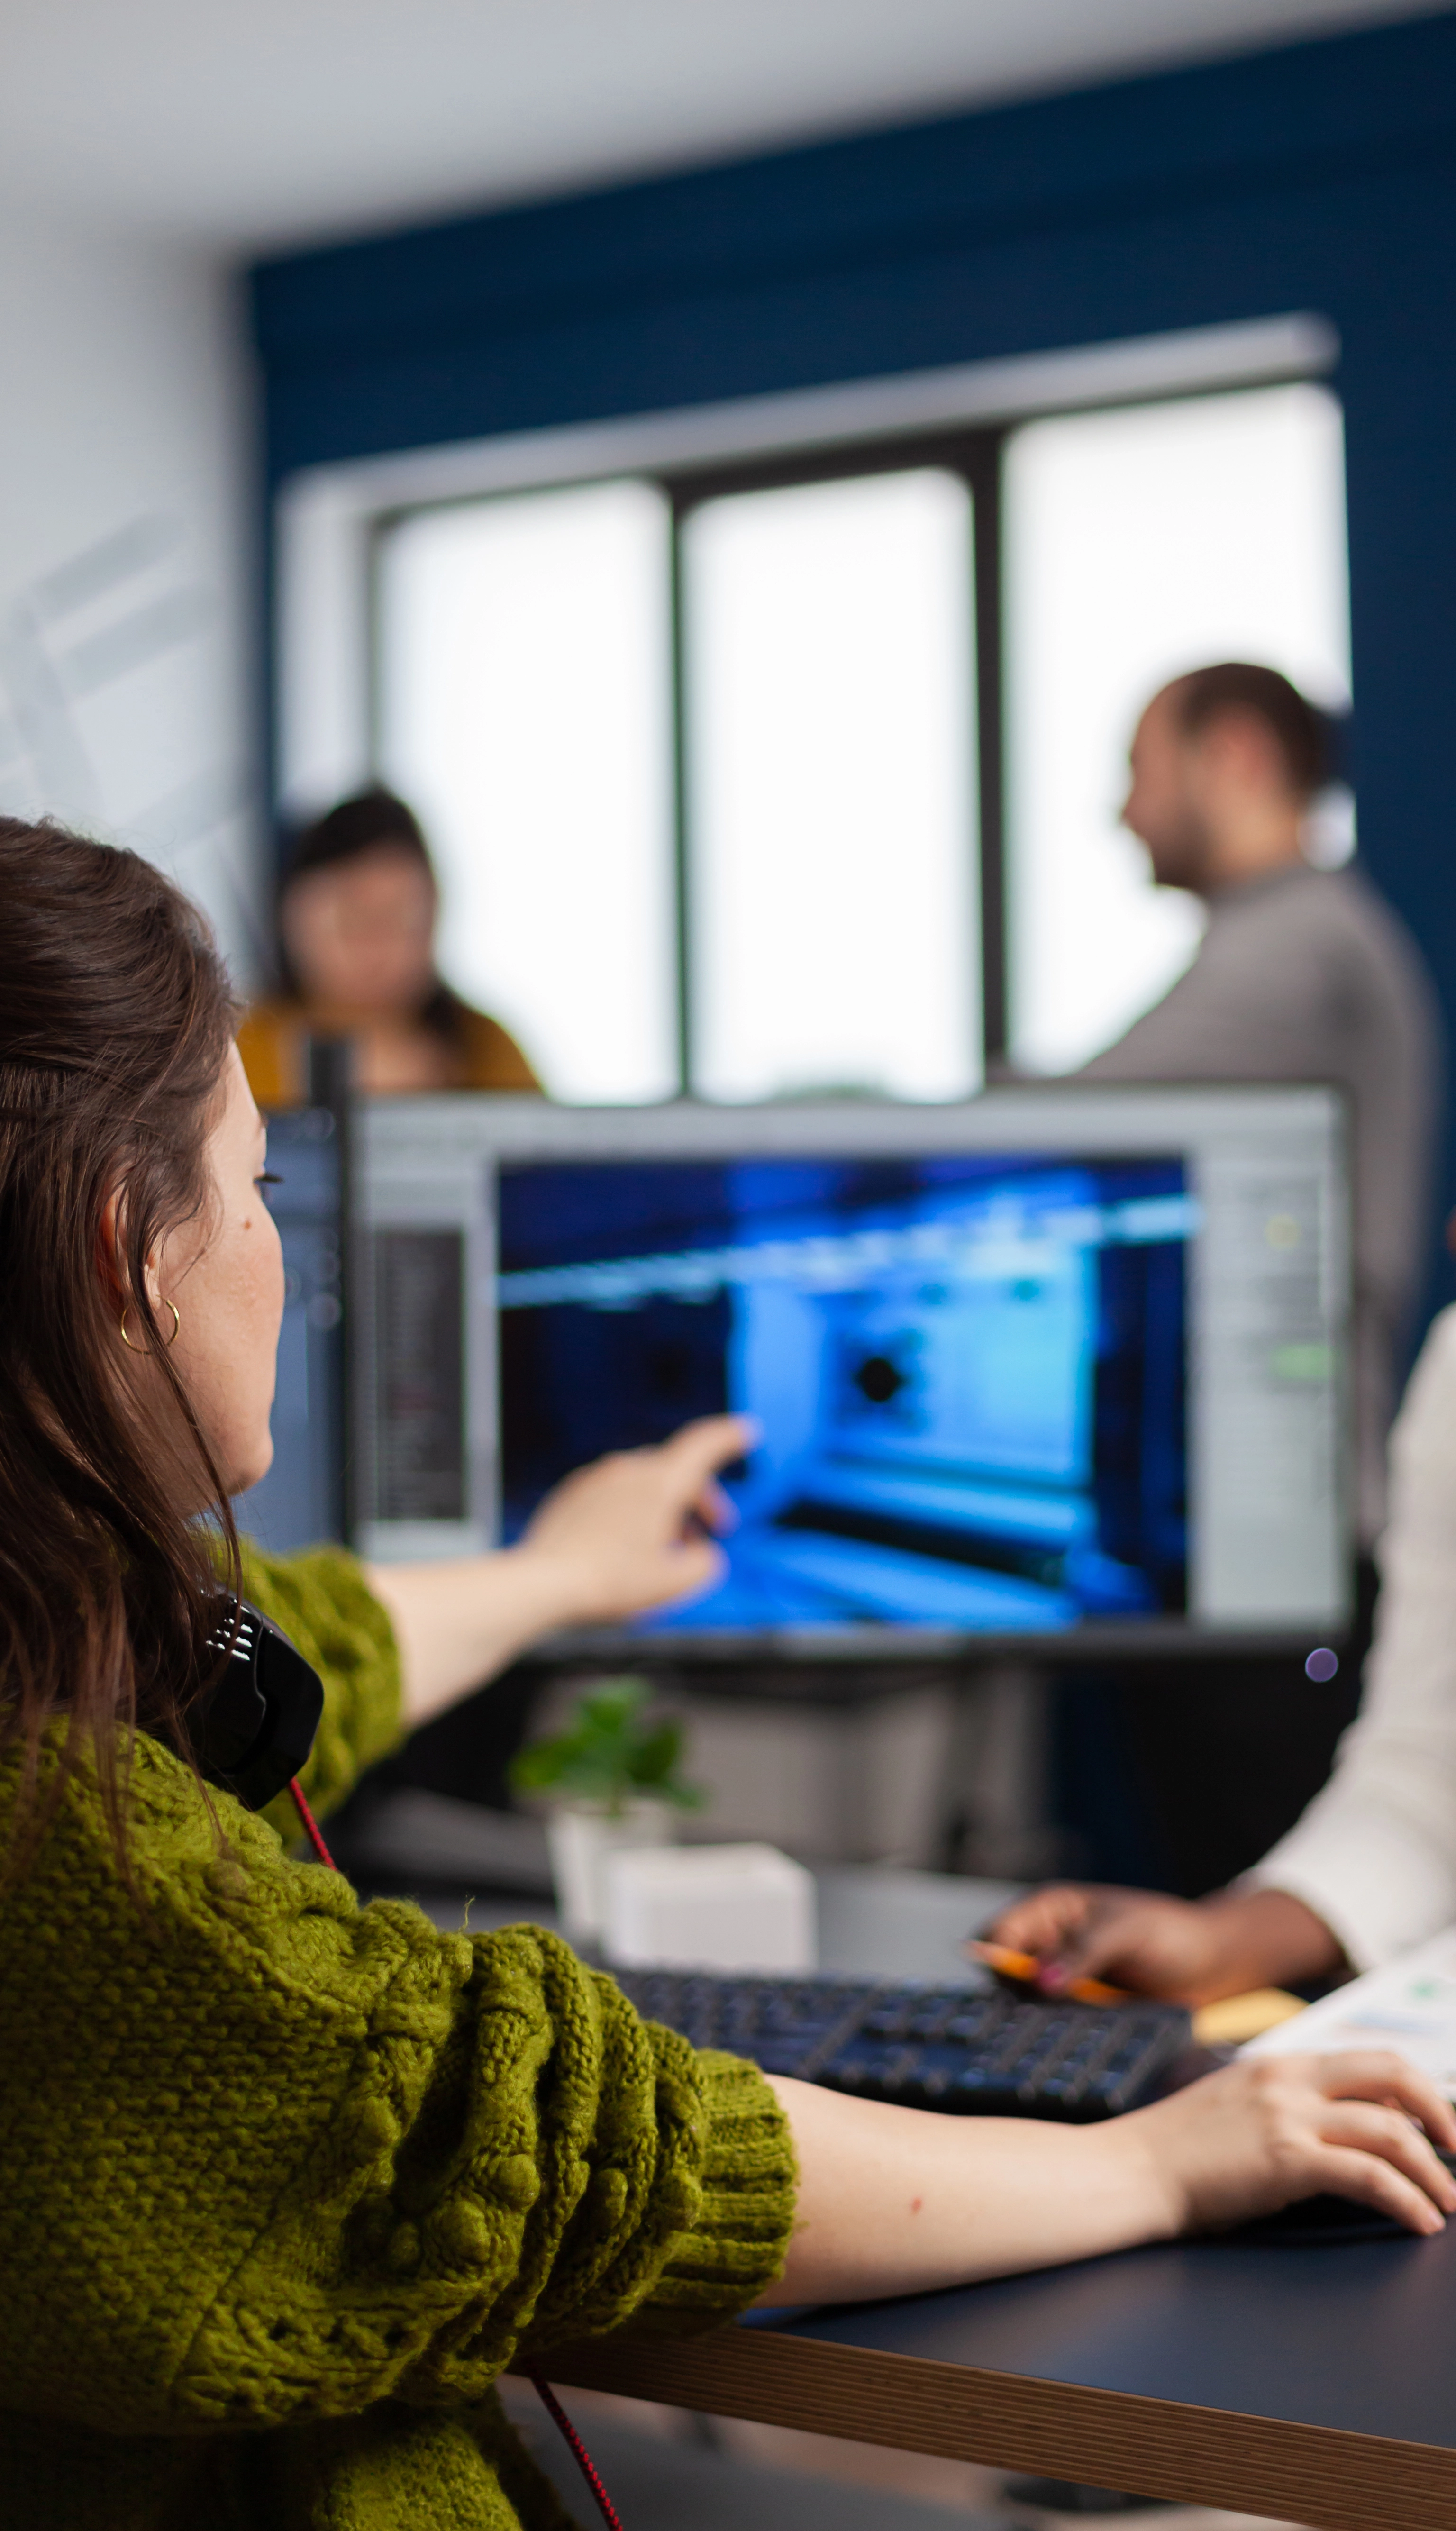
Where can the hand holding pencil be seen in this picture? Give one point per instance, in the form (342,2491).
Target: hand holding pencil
(1027,1970)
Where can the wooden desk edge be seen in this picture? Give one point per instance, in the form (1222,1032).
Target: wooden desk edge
(1318,2475)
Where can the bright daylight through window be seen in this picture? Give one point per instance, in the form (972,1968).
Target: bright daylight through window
(740,852)
(827,640)
(1140,543)
(525,693)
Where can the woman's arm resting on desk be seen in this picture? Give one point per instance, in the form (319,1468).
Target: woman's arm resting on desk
(1226,1944)
(630,1533)
(901,2201)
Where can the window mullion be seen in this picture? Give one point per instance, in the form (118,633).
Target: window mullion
(682,875)
(982,466)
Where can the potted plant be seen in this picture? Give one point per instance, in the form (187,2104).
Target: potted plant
(610,1779)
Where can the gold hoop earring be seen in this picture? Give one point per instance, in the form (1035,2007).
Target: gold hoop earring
(172,1338)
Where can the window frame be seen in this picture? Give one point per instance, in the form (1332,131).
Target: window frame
(974,456)
(974,451)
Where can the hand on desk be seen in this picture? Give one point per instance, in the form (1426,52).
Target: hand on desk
(1262,2134)
(896,2201)
(1226,1944)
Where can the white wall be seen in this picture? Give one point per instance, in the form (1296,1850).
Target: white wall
(125,436)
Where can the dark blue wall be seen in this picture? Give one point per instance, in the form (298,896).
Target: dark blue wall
(1317,178)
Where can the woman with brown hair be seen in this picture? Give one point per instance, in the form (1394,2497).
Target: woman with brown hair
(285,2183)
(358,909)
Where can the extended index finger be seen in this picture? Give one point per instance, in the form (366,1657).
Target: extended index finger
(698,1451)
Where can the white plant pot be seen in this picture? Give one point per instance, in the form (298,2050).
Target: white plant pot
(581,1836)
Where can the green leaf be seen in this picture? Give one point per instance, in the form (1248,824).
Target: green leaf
(609,1750)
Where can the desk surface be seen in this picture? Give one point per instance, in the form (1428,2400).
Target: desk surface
(1315,2385)
(1360,2336)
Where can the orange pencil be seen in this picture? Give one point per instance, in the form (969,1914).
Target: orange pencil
(1022,1966)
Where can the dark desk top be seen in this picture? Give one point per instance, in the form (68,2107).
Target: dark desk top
(1317,2385)
(1360,2335)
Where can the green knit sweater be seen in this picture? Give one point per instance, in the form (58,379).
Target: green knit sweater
(285,2183)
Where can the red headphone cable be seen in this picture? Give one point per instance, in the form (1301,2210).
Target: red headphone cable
(311,1827)
(579,2452)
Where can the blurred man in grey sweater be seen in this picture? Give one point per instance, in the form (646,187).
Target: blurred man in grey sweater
(1303,974)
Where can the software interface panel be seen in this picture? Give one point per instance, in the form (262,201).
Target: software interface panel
(1051,1361)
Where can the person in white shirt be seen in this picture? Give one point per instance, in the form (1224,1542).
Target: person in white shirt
(1370,1868)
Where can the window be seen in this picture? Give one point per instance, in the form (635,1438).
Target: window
(827,652)
(525,708)
(1138,544)
(802,774)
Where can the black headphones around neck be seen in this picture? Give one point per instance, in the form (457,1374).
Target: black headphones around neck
(252,1729)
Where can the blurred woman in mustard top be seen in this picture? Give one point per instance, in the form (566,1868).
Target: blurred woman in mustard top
(357,917)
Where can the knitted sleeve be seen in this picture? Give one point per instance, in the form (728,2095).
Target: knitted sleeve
(285,2157)
(322,1602)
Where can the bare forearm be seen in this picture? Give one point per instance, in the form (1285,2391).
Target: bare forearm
(458,1623)
(899,2201)
(1268,1938)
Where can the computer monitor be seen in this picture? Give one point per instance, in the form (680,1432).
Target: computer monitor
(302,1500)
(1060,1367)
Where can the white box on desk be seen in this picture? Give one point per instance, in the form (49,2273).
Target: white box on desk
(733,1907)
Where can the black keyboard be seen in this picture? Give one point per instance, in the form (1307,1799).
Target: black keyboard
(928,2048)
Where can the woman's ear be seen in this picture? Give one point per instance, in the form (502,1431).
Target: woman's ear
(111,1255)
(109,1249)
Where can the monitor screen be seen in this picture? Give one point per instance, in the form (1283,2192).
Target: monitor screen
(300,1500)
(967,1373)
(1052,1364)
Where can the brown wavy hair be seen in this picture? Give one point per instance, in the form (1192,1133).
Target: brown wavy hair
(116,1016)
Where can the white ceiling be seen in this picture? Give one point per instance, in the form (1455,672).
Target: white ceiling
(259,122)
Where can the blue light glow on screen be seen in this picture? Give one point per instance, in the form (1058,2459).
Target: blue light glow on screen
(967,1374)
